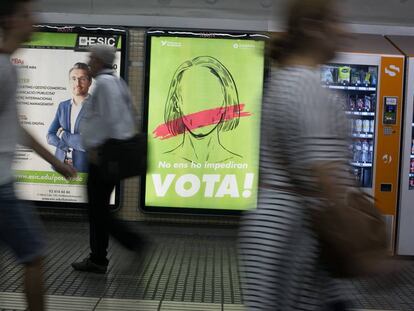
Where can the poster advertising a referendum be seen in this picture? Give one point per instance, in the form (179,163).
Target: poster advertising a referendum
(54,89)
(204,101)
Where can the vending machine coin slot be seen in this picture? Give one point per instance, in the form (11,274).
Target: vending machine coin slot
(386,187)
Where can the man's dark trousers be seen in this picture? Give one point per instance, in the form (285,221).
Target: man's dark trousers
(101,219)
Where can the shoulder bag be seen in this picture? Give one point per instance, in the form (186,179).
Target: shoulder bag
(352,236)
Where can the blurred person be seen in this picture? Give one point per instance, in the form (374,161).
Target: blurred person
(303,166)
(64,131)
(109,115)
(20,229)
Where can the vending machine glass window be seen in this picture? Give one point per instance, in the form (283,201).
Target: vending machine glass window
(358,85)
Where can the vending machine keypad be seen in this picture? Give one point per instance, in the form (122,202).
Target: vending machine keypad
(388,131)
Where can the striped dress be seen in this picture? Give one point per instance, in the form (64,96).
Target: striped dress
(302,125)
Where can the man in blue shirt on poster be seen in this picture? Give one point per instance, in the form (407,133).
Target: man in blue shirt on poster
(64,131)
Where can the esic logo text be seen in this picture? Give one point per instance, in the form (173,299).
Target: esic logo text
(87,41)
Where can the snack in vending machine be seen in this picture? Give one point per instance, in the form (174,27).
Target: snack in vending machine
(373,102)
(374,99)
(355,77)
(365,126)
(326,75)
(351,148)
(412,147)
(352,102)
(412,166)
(360,104)
(412,182)
(335,74)
(366,177)
(371,152)
(372,126)
(357,151)
(362,74)
(344,104)
(358,125)
(367,78)
(365,151)
(367,103)
(350,125)
(357,174)
(373,73)
(344,75)
(361,177)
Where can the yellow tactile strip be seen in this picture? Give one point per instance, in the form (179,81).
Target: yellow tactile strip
(16,301)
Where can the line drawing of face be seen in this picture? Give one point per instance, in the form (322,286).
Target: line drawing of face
(199,88)
(188,93)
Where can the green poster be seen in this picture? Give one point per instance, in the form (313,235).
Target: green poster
(203,122)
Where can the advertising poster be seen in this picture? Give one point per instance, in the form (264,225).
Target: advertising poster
(204,102)
(54,89)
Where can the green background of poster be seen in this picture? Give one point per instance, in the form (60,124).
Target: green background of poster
(244,59)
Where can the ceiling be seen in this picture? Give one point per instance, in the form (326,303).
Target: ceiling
(377,12)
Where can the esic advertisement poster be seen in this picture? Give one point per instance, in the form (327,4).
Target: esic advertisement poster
(44,98)
(203,122)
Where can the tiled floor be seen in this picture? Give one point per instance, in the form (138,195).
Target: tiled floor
(187,268)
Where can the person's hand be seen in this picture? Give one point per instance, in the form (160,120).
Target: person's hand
(65,170)
(60,132)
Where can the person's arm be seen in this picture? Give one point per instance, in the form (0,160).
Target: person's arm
(66,170)
(52,134)
(73,141)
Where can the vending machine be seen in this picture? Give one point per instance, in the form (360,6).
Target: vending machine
(368,73)
(405,232)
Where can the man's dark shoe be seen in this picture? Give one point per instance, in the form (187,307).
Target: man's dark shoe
(89,266)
